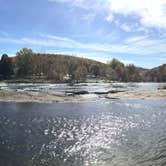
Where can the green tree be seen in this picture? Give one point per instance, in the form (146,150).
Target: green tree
(118,68)
(79,74)
(133,73)
(6,66)
(95,70)
(24,62)
(109,73)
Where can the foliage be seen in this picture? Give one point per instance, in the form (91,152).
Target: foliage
(157,74)
(24,62)
(64,68)
(6,66)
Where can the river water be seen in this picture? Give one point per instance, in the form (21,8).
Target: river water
(101,133)
(90,87)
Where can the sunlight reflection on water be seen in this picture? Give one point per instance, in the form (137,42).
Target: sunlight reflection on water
(119,132)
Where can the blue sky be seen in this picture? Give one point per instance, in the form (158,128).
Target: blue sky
(134,31)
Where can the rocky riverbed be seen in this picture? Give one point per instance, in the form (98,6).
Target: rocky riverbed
(138,94)
(40,97)
(10,95)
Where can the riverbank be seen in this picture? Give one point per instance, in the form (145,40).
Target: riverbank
(40,97)
(9,95)
(139,94)
(36,79)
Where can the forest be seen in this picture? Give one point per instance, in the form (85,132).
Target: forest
(64,68)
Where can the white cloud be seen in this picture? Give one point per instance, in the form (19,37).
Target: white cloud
(140,45)
(90,55)
(86,4)
(126,27)
(136,39)
(61,1)
(110,17)
(150,13)
(128,62)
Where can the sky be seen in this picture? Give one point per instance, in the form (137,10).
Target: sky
(133,31)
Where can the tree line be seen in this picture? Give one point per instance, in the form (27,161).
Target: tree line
(64,68)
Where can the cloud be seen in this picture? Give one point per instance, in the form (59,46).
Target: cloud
(85,4)
(126,27)
(134,39)
(60,1)
(140,50)
(149,13)
(90,55)
(110,18)
(140,45)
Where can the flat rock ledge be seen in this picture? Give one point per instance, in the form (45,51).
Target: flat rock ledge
(45,97)
(138,94)
(39,97)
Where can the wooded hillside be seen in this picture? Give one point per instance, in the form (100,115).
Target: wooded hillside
(64,68)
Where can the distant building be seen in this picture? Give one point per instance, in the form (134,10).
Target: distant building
(66,77)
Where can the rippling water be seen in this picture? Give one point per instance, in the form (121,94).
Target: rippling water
(105,133)
(90,87)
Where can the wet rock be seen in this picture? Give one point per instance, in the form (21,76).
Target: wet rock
(101,93)
(162,87)
(29,96)
(116,91)
(139,94)
(111,97)
(107,92)
(83,92)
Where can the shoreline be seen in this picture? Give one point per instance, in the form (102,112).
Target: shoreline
(60,97)
(39,97)
(139,94)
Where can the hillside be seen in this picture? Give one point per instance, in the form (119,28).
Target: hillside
(157,74)
(59,68)
(63,68)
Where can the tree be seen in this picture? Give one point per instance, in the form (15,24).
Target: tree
(118,68)
(133,73)
(109,73)
(24,62)
(115,63)
(6,66)
(78,74)
(95,70)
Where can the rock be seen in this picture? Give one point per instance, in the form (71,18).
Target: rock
(139,94)
(107,92)
(101,93)
(112,97)
(83,92)
(116,91)
(162,87)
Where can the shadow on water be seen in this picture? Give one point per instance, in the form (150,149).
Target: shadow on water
(119,132)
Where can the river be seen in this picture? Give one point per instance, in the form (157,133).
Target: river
(101,133)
